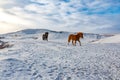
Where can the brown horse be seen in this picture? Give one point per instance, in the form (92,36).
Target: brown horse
(75,38)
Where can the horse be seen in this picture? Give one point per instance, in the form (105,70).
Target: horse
(75,37)
(45,36)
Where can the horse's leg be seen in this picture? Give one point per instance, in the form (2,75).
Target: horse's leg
(79,42)
(47,37)
(72,42)
(43,36)
(75,43)
(68,43)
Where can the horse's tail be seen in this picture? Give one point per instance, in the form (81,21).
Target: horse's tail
(69,38)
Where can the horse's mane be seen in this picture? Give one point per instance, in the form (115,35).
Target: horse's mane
(80,34)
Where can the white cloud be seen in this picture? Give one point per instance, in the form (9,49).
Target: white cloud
(3,2)
(8,27)
(5,17)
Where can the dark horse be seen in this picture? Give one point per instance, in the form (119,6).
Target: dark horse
(75,38)
(45,36)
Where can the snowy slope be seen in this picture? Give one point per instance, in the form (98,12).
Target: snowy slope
(53,35)
(113,39)
(34,59)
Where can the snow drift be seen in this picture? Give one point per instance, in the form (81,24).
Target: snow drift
(113,39)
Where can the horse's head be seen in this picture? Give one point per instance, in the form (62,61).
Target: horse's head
(46,33)
(80,34)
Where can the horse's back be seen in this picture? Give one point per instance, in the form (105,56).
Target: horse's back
(71,37)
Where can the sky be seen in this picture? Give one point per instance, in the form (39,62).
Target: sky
(89,16)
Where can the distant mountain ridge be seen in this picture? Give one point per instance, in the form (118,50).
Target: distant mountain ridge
(53,34)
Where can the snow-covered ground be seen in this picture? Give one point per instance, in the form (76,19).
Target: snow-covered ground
(33,59)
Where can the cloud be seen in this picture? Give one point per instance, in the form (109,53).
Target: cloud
(8,27)
(68,15)
(111,30)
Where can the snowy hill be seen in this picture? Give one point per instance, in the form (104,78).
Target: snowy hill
(34,59)
(113,39)
(53,35)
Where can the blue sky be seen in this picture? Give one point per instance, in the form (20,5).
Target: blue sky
(94,16)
